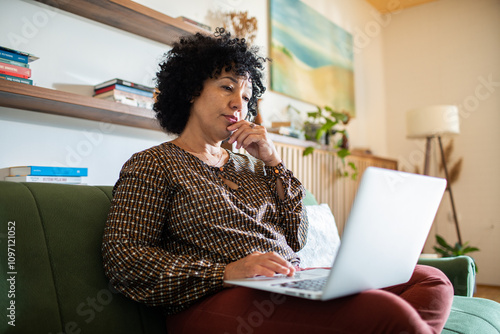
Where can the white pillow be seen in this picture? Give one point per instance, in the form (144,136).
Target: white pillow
(323,238)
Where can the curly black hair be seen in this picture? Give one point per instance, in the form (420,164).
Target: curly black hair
(194,59)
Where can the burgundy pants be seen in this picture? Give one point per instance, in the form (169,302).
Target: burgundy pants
(421,305)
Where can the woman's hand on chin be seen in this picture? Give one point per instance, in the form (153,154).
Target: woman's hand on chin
(253,138)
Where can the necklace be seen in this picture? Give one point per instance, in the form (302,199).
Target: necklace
(207,160)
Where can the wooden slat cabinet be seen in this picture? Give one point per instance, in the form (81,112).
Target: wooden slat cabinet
(345,188)
(319,173)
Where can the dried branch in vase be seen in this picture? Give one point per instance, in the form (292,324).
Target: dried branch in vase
(454,168)
(447,151)
(241,25)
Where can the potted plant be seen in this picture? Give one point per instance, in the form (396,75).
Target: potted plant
(446,250)
(323,126)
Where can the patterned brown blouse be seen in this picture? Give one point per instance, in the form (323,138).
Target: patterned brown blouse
(174,224)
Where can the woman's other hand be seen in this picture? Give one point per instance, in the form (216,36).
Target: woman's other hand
(259,264)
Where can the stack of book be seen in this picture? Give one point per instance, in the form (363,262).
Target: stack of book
(47,174)
(14,65)
(126,92)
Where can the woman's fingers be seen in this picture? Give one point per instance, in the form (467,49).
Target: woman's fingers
(253,138)
(257,263)
(241,130)
(276,264)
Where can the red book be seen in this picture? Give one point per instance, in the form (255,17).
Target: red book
(125,89)
(18,71)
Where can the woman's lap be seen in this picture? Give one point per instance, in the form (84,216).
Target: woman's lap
(419,306)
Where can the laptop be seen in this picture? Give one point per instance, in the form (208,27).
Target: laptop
(384,235)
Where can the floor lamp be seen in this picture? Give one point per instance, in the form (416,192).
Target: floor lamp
(430,123)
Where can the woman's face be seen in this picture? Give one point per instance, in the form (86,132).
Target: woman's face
(222,102)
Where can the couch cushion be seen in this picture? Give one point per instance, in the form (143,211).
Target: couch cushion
(473,315)
(322,238)
(30,272)
(61,286)
(309,199)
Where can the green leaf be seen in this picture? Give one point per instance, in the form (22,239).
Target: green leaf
(343,153)
(443,243)
(336,114)
(339,116)
(353,166)
(440,251)
(308,150)
(446,250)
(470,250)
(328,125)
(319,111)
(319,133)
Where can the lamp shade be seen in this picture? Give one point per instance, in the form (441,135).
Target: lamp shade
(432,121)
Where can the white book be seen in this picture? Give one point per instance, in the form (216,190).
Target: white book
(46,179)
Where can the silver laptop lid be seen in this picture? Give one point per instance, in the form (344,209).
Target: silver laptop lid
(386,230)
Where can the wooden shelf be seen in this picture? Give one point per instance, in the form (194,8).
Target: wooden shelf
(122,14)
(129,16)
(50,101)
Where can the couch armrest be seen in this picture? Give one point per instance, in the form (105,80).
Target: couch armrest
(461,271)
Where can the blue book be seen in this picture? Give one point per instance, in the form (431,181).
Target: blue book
(44,171)
(13,56)
(16,79)
(16,55)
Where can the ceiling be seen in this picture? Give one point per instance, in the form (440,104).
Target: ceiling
(385,6)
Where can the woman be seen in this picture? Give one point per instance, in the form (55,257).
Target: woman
(188,214)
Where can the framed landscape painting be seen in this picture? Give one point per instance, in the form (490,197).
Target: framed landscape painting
(312,57)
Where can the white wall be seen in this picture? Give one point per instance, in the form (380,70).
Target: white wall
(448,52)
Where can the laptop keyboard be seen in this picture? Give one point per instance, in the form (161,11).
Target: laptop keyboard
(315,284)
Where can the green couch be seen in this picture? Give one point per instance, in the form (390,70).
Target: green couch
(52,280)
